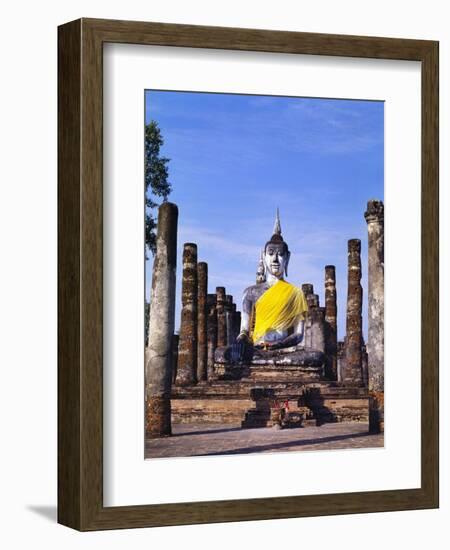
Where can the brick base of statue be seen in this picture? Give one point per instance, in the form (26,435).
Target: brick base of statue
(255,394)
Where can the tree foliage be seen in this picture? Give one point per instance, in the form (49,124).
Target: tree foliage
(156,180)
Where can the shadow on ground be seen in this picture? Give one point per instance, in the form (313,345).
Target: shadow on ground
(47,512)
(284,444)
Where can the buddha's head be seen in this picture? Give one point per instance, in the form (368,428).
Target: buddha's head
(276,253)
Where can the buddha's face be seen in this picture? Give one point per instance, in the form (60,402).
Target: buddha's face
(276,259)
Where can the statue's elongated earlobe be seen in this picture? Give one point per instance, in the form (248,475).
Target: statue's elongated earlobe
(287,263)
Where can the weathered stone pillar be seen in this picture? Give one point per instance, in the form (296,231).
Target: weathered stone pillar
(212,339)
(202,291)
(229,317)
(340,360)
(365,365)
(353,338)
(233,321)
(237,323)
(221,317)
(375,345)
(317,329)
(307,288)
(330,322)
(308,291)
(158,367)
(175,344)
(187,349)
(313,301)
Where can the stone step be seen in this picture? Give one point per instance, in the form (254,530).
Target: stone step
(209,410)
(280,369)
(255,418)
(279,389)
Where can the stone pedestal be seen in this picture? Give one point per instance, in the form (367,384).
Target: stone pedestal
(286,365)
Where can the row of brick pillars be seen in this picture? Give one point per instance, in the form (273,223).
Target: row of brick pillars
(207,321)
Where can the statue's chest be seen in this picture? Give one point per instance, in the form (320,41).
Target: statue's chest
(257,293)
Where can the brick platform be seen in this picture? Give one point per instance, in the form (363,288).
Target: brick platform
(235,401)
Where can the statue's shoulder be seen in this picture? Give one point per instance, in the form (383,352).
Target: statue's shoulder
(296,287)
(253,292)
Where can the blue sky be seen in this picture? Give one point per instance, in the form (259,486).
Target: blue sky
(236,158)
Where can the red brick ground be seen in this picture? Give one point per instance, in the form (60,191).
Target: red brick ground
(216,439)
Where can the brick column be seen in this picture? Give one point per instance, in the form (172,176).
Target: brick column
(353,338)
(330,323)
(212,339)
(187,349)
(221,317)
(202,290)
(229,318)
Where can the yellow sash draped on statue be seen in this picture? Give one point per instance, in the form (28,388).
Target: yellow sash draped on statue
(281,306)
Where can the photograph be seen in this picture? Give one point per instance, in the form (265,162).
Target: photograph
(264,274)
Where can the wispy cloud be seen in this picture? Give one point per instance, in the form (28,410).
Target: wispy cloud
(235,159)
(302,125)
(209,241)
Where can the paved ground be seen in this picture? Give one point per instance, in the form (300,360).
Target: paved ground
(195,439)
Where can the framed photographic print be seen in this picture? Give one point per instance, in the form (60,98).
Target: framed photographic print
(248,274)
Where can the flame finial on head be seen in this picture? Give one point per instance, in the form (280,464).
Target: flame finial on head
(277,225)
(276,237)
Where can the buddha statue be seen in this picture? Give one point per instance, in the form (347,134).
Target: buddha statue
(272,324)
(273,310)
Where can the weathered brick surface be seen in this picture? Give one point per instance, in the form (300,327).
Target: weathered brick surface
(202,291)
(222,439)
(353,339)
(229,318)
(158,416)
(225,401)
(221,317)
(307,289)
(158,354)
(376,411)
(330,322)
(175,344)
(375,227)
(212,338)
(209,410)
(187,349)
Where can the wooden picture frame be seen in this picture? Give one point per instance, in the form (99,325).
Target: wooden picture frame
(80,271)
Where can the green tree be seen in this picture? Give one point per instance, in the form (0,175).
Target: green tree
(156,180)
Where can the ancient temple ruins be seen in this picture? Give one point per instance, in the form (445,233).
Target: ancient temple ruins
(218,370)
